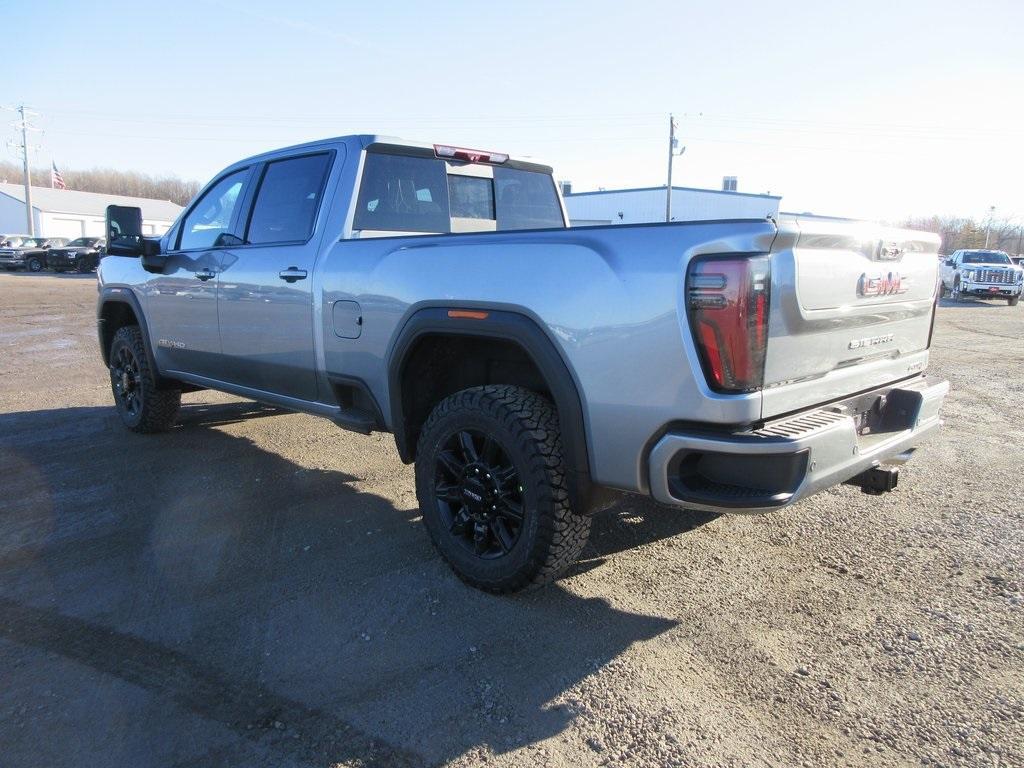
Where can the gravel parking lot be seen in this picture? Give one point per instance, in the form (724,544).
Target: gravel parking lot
(254,588)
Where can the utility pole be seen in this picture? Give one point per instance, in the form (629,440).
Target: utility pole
(24,148)
(673,143)
(988,227)
(28,173)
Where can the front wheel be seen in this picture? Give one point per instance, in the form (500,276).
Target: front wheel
(490,480)
(85,266)
(33,265)
(140,404)
(1012,301)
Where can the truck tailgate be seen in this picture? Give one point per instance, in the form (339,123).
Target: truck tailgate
(852,307)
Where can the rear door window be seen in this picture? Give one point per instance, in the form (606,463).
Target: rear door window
(288,199)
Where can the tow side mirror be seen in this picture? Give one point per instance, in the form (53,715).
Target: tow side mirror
(949,262)
(124,231)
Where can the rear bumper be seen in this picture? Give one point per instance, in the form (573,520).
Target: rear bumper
(796,456)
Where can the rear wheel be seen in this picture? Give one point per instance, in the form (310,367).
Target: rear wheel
(490,479)
(140,404)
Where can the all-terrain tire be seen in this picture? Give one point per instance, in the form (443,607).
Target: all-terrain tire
(1013,301)
(525,426)
(148,409)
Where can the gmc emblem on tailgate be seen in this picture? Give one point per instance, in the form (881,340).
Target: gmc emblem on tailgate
(888,284)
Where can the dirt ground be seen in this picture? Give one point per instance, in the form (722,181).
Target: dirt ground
(255,588)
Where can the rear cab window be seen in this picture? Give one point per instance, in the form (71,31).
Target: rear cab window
(422,194)
(402,194)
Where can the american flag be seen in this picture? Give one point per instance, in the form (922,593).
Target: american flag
(56,180)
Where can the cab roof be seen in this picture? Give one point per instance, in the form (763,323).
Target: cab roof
(364,140)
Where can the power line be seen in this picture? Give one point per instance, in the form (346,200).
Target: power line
(638,119)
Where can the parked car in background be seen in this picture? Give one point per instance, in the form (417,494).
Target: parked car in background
(983,273)
(28,253)
(80,255)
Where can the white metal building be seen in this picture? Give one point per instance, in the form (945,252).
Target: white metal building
(647,204)
(69,213)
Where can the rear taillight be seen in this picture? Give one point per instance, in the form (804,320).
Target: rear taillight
(727,304)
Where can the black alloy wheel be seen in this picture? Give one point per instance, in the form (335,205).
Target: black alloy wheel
(143,403)
(126,381)
(34,264)
(491,484)
(479,494)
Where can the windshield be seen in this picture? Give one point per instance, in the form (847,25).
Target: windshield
(985,257)
(83,241)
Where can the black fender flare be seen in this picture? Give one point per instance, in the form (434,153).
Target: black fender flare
(506,326)
(123,296)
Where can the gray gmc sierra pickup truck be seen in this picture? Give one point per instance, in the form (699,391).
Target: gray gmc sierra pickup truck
(530,370)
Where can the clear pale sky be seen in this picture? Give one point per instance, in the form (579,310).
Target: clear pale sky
(876,109)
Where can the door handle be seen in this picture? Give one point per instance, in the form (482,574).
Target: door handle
(205,274)
(292,274)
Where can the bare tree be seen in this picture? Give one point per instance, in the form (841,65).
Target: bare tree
(962,232)
(112,182)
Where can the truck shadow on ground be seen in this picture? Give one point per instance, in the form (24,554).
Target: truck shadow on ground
(270,613)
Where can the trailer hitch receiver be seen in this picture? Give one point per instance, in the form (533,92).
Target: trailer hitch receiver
(877,480)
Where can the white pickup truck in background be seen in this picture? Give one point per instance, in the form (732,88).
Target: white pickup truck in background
(988,274)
